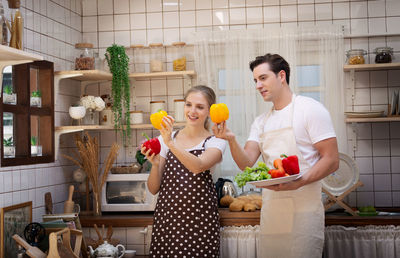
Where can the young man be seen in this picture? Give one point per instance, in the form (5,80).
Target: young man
(292,216)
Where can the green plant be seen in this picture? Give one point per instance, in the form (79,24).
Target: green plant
(33,140)
(8,142)
(8,89)
(120,88)
(36,93)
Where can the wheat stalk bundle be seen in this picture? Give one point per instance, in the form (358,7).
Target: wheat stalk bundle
(87,158)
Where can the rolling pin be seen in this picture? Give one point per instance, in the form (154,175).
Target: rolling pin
(69,204)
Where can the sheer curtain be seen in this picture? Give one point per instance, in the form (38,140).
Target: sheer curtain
(370,241)
(316,58)
(239,242)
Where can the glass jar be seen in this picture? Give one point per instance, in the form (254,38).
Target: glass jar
(155,106)
(179,105)
(383,55)
(85,60)
(136,117)
(156,57)
(179,56)
(138,58)
(356,56)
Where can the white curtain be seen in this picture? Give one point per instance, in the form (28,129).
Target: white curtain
(239,242)
(222,62)
(361,242)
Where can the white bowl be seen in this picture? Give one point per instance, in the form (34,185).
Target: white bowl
(129,253)
(77,112)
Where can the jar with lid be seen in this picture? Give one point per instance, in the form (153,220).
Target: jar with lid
(156,57)
(179,56)
(85,59)
(136,117)
(138,58)
(356,56)
(383,55)
(155,106)
(179,105)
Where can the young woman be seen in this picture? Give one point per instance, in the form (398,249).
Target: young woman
(186,218)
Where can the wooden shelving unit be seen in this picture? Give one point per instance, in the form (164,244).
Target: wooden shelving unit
(371,67)
(15,56)
(85,75)
(106,127)
(179,74)
(373,120)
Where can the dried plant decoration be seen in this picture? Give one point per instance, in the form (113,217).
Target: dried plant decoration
(87,158)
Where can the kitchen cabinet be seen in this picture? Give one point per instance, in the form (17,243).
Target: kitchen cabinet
(27,123)
(87,77)
(352,69)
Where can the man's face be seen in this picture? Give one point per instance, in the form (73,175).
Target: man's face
(267,82)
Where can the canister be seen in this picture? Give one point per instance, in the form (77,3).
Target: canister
(179,105)
(106,116)
(136,117)
(156,105)
(156,57)
(138,58)
(179,56)
(85,60)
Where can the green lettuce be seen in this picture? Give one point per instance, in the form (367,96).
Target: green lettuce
(253,174)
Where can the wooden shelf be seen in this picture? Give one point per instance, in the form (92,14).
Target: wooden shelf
(373,120)
(179,74)
(107,127)
(85,75)
(15,56)
(372,67)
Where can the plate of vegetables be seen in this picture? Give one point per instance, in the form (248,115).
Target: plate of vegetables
(285,170)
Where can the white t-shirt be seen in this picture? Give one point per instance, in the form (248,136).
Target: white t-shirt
(213,142)
(311,123)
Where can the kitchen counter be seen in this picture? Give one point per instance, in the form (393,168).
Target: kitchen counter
(227,218)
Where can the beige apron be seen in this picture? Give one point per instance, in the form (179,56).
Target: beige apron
(292,222)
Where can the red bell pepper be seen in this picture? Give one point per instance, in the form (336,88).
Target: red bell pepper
(152,144)
(291,164)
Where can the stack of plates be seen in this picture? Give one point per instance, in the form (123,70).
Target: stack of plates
(364,114)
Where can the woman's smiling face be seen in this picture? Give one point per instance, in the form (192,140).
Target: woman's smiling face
(196,108)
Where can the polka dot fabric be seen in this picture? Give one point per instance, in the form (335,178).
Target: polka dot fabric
(186,218)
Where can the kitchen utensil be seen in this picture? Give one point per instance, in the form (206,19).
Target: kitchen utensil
(69,204)
(48,203)
(31,251)
(342,182)
(225,187)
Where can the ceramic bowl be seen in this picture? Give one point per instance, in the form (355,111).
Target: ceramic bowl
(129,253)
(77,112)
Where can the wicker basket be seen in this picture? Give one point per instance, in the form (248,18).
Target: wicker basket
(132,169)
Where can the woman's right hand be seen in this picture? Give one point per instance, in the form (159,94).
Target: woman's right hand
(222,131)
(153,158)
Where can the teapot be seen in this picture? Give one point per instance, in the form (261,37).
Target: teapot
(225,187)
(107,250)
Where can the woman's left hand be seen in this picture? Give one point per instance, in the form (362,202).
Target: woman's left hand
(166,130)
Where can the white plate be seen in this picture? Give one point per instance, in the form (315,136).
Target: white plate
(342,179)
(274,181)
(364,114)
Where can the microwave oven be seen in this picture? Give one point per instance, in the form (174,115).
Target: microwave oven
(127,192)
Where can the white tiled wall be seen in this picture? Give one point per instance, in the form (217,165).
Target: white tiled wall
(51,28)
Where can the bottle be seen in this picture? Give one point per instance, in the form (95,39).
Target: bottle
(3,27)
(17,25)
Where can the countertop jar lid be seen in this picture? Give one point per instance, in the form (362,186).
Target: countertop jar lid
(157,101)
(83,45)
(178,100)
(156,45)
(137,46)
(383,49)
(356,52)
(136,111)
(179,44)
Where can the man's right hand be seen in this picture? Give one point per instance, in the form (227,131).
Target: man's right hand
(222,131)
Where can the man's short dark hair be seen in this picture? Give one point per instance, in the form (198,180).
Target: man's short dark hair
(276,64)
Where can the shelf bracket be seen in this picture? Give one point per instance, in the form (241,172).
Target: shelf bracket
(84,85)
(57,79)
(353,86)
(353,136)
(57,135)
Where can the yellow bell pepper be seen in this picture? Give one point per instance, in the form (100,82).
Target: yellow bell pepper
(219,112)
(156,118)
